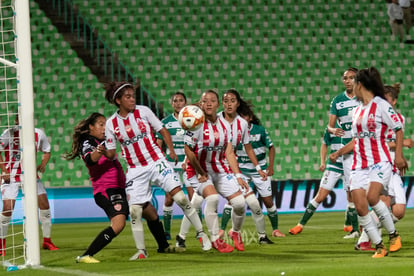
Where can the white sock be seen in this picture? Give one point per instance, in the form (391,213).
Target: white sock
(185,223)
(384,215)
(137,226)
(363,238)
(237,217)
(257,214)
(4,225)
(314,203)
(188,210)
(370,228)
(211,216)
(46,221)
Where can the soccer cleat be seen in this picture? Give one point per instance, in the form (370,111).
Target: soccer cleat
(352,235)
(380,251)
(48,244)
(237,239)
(296,230)
(348,228)
(278,234)
(265,240)
(141,254)
(204,241)
(222,247)
(87,259)
(221,233)
(364,246)
(2,247)
(171,249)
(395,242)
(179,242)
(167,236)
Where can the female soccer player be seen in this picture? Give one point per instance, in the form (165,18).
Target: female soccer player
(210,153)
(107,177)
(10,182)
(178,100)
(233,106)
(372,165)
(132,126)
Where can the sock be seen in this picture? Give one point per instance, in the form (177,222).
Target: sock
(226,216)
(273,217)
(46,221)
(211,217)
(257,214)
(102,240)
(237,216)
(394,218)
(363,238)
(185,223)
(310,210)
(157,230)
(188,210)
(347,219)
(4,225)
(168,210)
(353,216)
(137,227)
(384,216)
(370,228)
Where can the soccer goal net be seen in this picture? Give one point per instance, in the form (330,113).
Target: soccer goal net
(19,231)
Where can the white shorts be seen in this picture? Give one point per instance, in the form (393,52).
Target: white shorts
(139,180)
(225,184)
(380,172)
(11,190)
(264,187)
(347,161)
(396,190)
(329,179)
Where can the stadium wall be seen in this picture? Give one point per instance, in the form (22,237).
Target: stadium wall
(77,204)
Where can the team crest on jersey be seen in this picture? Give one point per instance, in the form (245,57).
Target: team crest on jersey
(141,125)
(118,207)
(371,123)
(394,117)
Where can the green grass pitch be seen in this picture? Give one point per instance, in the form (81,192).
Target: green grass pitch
(319,250)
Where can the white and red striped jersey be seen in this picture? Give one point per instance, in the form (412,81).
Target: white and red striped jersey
(209,144)
(391,136)
(135,134)
(239,131)
(369,129)
(9,144)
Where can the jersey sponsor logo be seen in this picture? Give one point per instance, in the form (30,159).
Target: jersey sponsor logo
(117,207)
(134,139)
(141,125)
(255,138)
(366,134)
(129,183)
(216,148)
(166,172)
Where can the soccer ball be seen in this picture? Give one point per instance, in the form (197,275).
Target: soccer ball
(191,117)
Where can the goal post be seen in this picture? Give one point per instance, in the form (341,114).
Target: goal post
(26,115)
(16,66)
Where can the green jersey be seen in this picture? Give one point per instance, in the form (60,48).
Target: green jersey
(177,136)
(342,107)
(334,143)
(260,141)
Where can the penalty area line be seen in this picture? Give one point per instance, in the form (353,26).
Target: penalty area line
(72,271)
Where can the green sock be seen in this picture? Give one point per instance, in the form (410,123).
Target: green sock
(310,209)
(200,214)
(167,219)
(226,216)
(353,216)
(274,219)
(347,217)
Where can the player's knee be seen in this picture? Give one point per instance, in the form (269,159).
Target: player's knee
(238,203)
(181,200)
(211,203)
(253,204)
(136,212)
(196,201)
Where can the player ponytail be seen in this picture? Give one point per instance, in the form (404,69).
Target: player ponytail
(370,78)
